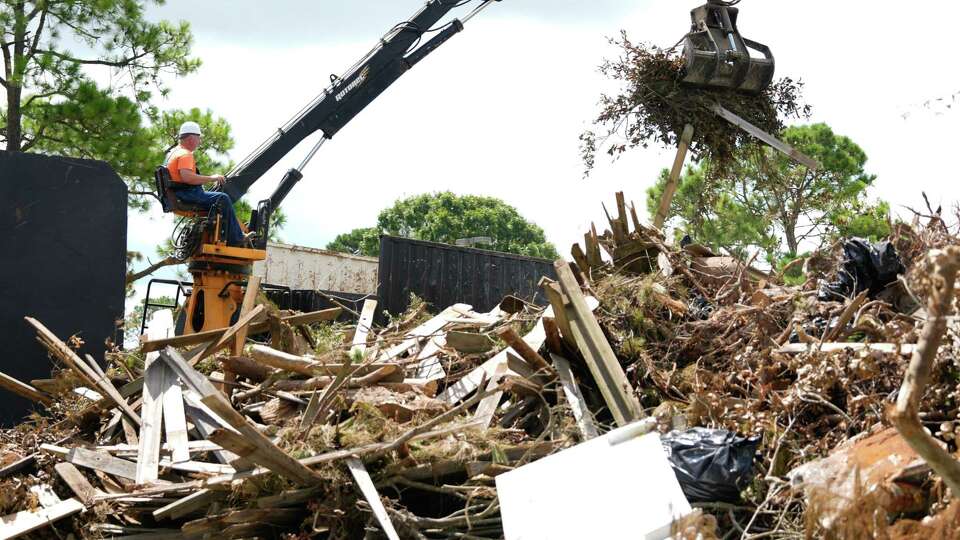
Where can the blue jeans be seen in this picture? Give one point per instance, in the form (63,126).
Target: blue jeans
(196,195)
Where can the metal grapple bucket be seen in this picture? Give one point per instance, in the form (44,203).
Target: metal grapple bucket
(716,55)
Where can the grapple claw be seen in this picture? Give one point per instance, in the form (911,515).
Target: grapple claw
(716,55)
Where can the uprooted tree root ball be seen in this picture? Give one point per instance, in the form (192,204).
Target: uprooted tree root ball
(654,106)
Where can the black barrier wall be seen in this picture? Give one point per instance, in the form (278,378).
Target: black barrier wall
(444,275)
(63,232)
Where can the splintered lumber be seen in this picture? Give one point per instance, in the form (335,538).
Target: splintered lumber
(148,456)
(488,406)
(596,350)
(254,328)
(363,326)
(198,500)
(78,483)
(671,187)
(524,350)
(174,418)
(212,398)
(429,328)
(24,390)
(572,392)
(61,350)
(21,523)
(90,459)
(471,381)
(228,335)
(774,142)
(559,302)
(365,483)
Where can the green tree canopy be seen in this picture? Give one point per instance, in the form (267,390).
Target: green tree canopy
(53,104)
(768,203)
(446,217)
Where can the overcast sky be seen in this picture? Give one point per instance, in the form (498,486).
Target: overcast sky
(497,110)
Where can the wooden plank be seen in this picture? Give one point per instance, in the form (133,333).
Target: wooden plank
(364,324)
(559,304)
(81,487)
(216,401)
(228,335)
(775,143)
(18,466)
(488,405)
(100,461)
(197,500)
(905,349)
(174,418)
(150,345)
(271,457)
(600,358)
(671,187)
(14,525)
(148,457)
(572,392)
(362,478)
(23,389)
(103,382)
(429,328)
(249,300)
(525,351)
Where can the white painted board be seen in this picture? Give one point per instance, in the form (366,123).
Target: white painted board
(601,488)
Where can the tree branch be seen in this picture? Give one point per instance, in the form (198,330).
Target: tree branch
(134,276)
(905,416)
(112,63)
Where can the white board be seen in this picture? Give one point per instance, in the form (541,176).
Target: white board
(612,487)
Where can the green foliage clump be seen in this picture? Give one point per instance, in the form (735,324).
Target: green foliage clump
(446,217)
(764,202)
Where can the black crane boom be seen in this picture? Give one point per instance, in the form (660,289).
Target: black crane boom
(399,50)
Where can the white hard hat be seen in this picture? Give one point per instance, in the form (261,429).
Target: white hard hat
(189,128)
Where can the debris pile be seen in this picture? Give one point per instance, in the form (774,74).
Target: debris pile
(468,425)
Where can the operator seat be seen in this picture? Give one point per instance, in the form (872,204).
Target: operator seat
(169,201)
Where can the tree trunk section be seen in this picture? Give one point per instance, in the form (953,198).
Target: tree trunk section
(14,132)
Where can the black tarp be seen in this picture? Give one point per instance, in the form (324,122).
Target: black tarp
(443,275)
(63,225)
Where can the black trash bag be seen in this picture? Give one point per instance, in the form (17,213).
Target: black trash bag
(712,465)
(865,267)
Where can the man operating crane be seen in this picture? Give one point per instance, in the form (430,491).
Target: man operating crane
(187,184)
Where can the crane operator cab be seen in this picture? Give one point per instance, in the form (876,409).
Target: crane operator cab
(219,271)
(716,55)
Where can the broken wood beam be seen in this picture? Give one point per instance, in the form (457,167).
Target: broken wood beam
(212,398)
(774,142)
(228,334)
(671,187)
(525,351)
(24,390)
(601,360)
(254,328)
